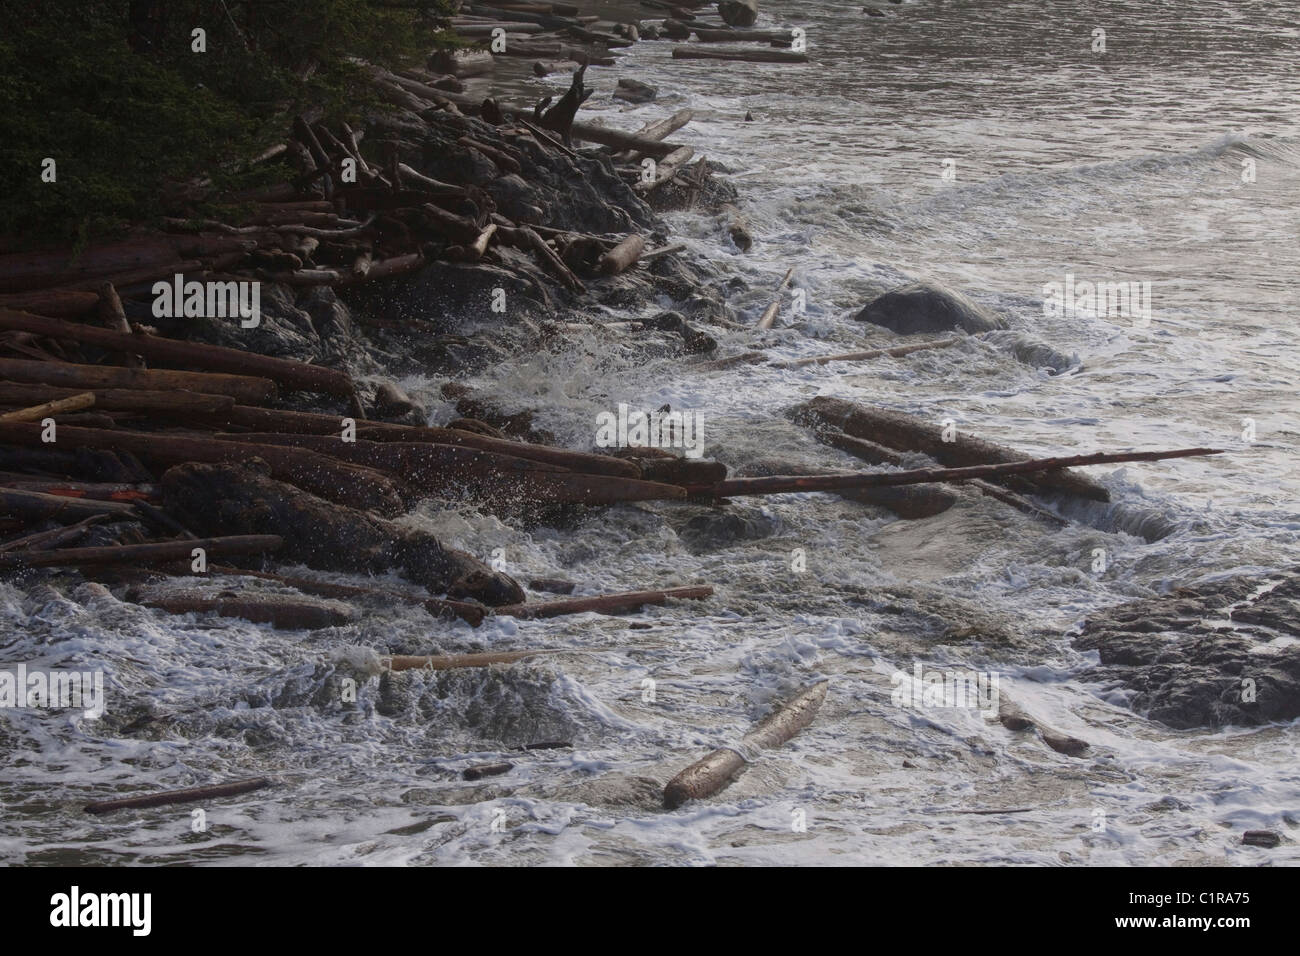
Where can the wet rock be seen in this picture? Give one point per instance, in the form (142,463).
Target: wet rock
(874,12)
(738,13)
(720,529)
(1204,656)
(1265,838)
(616,790)
(634,91)
(1031,352)
(928,307)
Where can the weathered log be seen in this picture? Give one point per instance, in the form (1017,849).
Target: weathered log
(37,505)
(658,130)
(748,56)
(312,423)
(804,483)
(93,490)
(503,160)
(467,611)
(437,662)
(190,795)
(666,169)
(62,303)
(98,378)
(910,433)
(21,272)
(35,413)
(55,537)
(330,478)
(114,317)
(214,358)
(279,610)
(769,314)
(462,63)
(622,256)
(526,238)
(604,603)
(896,351)
(158,552)
(705,35)
(319,534)
(707,776)
(738,228)
(662,251)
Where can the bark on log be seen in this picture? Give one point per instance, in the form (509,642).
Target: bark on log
(910,433)
(604,603)
(330,478)
(707,776)
(212,358)
(438,662)
(622,256)
(247,389)
(190,795)
(142,554)
(279,610)
(327,536)
(39,506)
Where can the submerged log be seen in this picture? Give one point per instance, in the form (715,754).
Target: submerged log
(910,433)
(707,776)
(247,389)
(748,56)
(603,603)
(214,358)
(229,498)
(189,795)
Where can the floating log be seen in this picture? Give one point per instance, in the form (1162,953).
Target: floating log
(769,314)
(214,358)
(622,256)
(330,478)
(190,795)
(705,35)
(603,603)
(439,607)
(707,776)
(406,662)
(896,351)
(157,552)
(39,506)
(658,130)
(736,487)
(279,610)
(35,413)
(911,433)
(247,389)
(748,56)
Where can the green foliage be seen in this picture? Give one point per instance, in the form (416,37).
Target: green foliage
(113,91)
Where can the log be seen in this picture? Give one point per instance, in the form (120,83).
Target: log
(705,35)
(190,795)
(39,506)
(62,303)
(438,607)
(748,56)
(158,552)
(35,413)
(663,251)
(21,272)
(212,358)
(247,389)
(666,169)
(114,317)
(503,160)
(603,603)
(738,229)
(895,351)
(1013,718)
(278,610)
(769,314)
(43,540)
(328,477)
(93,490)
(482,770)
(312,423)
(658,130)
(911,433)
(623,256)
(707,776)
(736,487)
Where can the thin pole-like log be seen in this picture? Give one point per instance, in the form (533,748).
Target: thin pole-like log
(73,403)
(247,389)
(114,316)
(189,795)
(769,314)
(135,554)
(707,776)
(784,484)
(437,662)
(602,603)
(894,351)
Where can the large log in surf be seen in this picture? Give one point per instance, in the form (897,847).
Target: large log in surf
(707,776)
(279,610)
(747,56)
(330,478)
(212,358)
(781,484)
(910,433)
(248,389)
(604,603)
(439,662)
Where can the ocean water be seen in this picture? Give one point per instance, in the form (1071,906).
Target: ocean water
(1172,158)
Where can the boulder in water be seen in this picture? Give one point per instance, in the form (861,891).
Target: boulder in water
(634,91)
(738,13)
(928,307)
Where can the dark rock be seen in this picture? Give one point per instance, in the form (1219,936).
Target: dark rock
(874,12)
(634,91)
(1197,658)
(1265,838)
(928,307)
(738,13)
